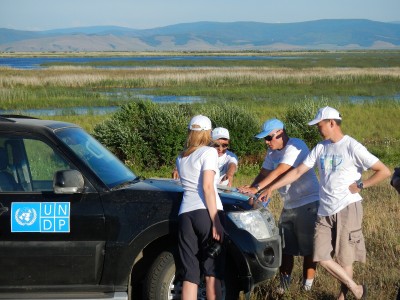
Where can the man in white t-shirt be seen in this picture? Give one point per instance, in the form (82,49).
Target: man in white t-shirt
(300,199)
(340,160)
(227,160)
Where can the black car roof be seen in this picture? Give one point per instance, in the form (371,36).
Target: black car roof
(20,121)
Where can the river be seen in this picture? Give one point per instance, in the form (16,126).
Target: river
(39,62)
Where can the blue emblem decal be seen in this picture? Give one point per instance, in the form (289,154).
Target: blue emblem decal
(40,217)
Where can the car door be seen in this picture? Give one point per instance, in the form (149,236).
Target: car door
(45,238)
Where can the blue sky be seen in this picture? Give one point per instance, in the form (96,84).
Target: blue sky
(140,14)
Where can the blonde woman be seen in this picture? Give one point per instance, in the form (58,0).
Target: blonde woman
(201,212)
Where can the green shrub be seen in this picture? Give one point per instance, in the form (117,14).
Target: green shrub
(144,134)
(149,136)
(297,117)
(242,127)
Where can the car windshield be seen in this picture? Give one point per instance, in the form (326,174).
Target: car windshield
(102,162)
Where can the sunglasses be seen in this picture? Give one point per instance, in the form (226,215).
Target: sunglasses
(224,146)
(269,138)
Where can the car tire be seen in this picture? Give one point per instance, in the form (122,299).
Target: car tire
(161,284)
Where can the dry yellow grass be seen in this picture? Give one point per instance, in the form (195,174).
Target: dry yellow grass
(381,272)
(160,76)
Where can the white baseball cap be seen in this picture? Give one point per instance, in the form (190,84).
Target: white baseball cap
(203,123)
(325,113)
(220,133)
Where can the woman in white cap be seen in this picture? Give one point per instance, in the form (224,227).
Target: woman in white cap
(201,213)
(227,160)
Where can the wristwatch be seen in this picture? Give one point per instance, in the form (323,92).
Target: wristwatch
(360,184)
(257,186)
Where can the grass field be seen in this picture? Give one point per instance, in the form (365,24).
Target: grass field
(267,90)
(381,273)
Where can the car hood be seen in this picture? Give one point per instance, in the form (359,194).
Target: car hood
(227,194)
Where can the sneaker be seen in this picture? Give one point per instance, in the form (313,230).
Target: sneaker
(306,288)
(307,284)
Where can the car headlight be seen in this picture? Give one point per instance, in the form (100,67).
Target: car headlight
(254,222)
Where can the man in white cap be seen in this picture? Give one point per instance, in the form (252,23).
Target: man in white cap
(227,160)
(340,160)
(301,199)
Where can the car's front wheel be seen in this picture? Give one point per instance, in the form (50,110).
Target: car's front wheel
(160,282)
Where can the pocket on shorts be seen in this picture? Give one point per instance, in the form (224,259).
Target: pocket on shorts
(355,237)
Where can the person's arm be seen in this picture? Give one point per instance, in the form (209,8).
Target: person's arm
(289,177)
(269,177)
(211,202)
(381,172)
(263,173)
(175,174)
(232,167)
(250,189)
(273,175)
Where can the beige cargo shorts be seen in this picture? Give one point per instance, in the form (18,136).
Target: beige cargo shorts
(340,236)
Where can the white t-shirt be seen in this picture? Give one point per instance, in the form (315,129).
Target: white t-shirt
(305,189)
(190,169)
(340,164)
(224,161)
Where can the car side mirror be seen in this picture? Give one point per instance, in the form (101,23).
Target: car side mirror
(68,182)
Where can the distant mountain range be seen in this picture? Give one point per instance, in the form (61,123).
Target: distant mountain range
(211,36)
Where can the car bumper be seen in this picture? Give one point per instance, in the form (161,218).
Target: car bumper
(256,261)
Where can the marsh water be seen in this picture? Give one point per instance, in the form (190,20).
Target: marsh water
(40,62)
(102,110)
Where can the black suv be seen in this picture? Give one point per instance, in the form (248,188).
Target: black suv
(75,222)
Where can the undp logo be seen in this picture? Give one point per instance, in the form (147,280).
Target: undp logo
(40,217)
(25,216)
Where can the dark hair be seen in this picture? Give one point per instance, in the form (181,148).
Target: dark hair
(338,122)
